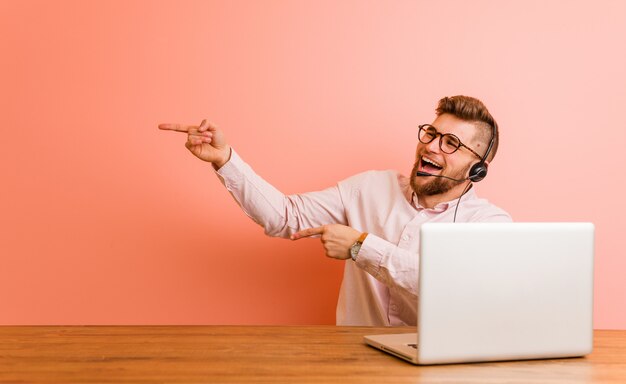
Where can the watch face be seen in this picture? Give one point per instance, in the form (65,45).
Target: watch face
(354,250)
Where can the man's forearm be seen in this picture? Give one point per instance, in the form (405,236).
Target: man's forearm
(278,214)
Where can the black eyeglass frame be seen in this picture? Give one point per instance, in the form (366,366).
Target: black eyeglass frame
(437,133)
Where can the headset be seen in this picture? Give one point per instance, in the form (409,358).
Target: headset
(479,170)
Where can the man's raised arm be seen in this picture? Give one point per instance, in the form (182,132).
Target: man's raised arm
(278,214)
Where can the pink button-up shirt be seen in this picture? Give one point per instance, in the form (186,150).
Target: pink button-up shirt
(380,288)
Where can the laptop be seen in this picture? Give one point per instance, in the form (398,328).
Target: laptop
(500,291)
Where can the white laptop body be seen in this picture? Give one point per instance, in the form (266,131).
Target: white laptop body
(500,291)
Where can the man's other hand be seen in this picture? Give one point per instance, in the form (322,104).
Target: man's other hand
(336,238)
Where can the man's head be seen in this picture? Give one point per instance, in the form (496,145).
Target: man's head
(474,111)
(468,128)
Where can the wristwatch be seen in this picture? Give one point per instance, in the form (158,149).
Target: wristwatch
(356,247)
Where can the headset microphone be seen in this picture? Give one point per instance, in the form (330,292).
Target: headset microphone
(420,173)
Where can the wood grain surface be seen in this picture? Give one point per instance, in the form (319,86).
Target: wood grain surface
(264,354)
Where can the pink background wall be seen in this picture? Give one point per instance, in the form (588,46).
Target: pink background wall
(106,220)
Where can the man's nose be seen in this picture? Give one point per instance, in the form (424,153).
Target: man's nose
(433,146)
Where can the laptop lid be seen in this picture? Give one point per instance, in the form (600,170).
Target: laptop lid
(504,291)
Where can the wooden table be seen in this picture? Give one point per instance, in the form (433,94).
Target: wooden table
(263,354)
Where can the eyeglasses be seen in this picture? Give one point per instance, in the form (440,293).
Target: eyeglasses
(448,143)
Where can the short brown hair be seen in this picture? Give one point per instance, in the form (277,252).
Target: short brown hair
(473,110)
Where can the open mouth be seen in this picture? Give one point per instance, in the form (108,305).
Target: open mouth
(430,166)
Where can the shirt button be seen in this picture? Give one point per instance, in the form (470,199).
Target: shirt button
(394,308)
(405,237)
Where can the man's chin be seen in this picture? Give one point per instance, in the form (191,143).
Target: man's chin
(436,186)
(433,185)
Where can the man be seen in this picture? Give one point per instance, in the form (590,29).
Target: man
(372,219)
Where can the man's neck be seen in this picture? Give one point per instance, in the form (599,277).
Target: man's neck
(433,200)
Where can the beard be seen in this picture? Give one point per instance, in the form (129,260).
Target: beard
(437,185)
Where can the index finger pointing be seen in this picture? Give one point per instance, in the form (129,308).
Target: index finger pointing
(177,127)
(307,232)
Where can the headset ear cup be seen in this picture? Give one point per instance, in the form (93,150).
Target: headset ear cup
(478,172)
